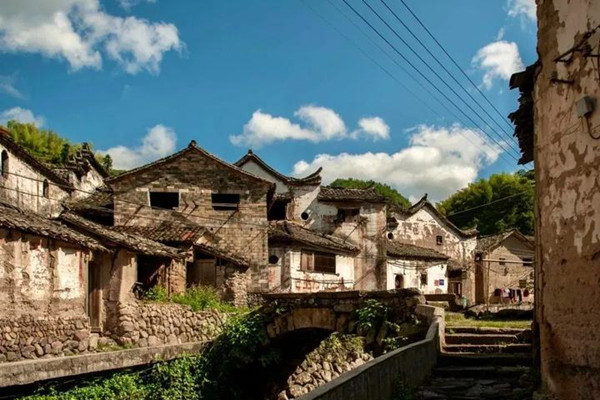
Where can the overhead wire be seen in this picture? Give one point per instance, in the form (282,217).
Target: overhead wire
(508,135)
(423,75)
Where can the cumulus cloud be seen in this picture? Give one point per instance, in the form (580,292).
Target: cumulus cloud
(81,33)
(498,59)
(7,85)
(525,8)
(315,124)
(158,142)
(22,115)
(438,161)
(128,4)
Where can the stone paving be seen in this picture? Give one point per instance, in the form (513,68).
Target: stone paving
(482,363)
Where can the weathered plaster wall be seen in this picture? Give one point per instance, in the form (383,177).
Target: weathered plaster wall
(24,188)
(293,279)
(422,228)
(568,203)
(253,168)
(412,271)
(86,183)
(196,177)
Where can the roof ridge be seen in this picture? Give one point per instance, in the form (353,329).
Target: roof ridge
(251,156)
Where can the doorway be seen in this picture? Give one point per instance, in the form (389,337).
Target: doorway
(399,281)
(94,298)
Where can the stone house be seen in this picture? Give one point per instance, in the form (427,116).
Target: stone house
(83,172)
(212,209)
(44,270)
(424,226)
(27,183)
(355,215)
(302,260)
(410,266)
(504,265)
(558,127)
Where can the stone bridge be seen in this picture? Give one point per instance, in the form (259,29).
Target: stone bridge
(332,311)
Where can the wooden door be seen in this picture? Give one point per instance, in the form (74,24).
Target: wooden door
(479,283)
(94,297)
(208,272)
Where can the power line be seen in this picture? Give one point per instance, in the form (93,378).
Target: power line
(503,117)
(510,137)
(416,80)
(487,204)
(424,77)
(431,69)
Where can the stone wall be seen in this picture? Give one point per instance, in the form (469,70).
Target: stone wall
(567,200)
(29,337)
(196,177)
(150,324)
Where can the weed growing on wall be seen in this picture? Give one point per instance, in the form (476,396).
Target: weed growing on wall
(198,298)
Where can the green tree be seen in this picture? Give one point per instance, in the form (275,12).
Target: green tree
(510,198)
(107,162)
(394,198)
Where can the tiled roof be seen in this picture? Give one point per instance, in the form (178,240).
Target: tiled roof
(522,118)
(166,232)
(289,232)
(192,147)
(100,199)
(225,254)
(312,179)
(14,218)
(80,163)
(7,141)
(488,243)
(410,251)
(424,203)
(136,243)
(335,194)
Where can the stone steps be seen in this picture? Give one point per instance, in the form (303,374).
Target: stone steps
(485,330)
(474,360)
(472,338)
(473,389)
(508,372)
(487,348)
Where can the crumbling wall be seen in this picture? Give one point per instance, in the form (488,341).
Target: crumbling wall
(568,201)
(23,188)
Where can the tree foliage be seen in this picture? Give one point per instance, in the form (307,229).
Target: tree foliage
(392,195)
(511,195)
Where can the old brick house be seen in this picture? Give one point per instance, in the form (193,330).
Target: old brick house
(196,201)
(558,126)
(504,268)
(355,216)
(424,226)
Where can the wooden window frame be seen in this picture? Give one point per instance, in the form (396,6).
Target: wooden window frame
(317,261)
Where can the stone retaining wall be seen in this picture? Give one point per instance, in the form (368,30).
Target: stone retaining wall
(151,324)
(29,337)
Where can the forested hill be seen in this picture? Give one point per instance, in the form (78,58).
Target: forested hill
(48,146)
(503,201)
(392,196)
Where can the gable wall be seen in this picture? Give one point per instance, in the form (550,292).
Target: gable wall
(25,193)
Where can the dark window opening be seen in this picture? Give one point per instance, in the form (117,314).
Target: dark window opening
(317,262)
(502,259)
(304,216)
(423,279)
(164,200)
(527,261)
(151,271)
(399,281)
(46,189)
(277,211)
(439,240)
(273,259)
(348,214)
(390,235)
(4,164)
(225,201)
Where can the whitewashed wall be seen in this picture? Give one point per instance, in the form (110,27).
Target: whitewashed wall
(412,276)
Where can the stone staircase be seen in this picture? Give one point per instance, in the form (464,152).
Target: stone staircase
(482,363)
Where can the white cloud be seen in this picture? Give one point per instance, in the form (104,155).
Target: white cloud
(7,85)
(159,142)
(439,161)
(22,115)
(128,4)
(498,59)
(525,8)
(80,32)
(315,124)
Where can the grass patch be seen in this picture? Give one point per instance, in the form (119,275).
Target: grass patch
(458,319)
(198,298)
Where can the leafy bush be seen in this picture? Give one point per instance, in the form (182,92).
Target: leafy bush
(157,293)
(371,315)
(198,298)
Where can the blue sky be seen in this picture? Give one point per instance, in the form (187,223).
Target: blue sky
(141,78)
